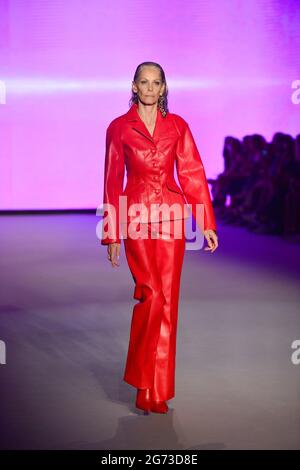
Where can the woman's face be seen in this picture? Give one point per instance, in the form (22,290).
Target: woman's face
(148,85)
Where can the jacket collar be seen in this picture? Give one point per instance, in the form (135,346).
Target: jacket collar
(138,124)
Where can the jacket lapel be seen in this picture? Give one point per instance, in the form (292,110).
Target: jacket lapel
(138,124)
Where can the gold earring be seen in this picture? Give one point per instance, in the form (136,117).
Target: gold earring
(161,105)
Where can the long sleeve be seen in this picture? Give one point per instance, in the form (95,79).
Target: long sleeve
(192,177)
(114,170)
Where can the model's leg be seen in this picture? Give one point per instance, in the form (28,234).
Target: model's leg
(170,255)
(146,317)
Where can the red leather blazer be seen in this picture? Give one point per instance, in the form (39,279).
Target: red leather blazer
(149,162)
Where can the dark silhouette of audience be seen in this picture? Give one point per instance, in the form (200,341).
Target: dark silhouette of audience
(260,185)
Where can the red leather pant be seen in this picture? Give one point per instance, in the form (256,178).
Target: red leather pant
(156,265)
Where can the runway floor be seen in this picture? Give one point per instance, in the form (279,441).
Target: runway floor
(65,316)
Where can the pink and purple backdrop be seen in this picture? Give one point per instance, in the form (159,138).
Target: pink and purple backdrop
(66,69)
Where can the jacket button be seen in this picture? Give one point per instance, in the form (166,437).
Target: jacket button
(155,177)
(157,191)
(153,150)
(155,164)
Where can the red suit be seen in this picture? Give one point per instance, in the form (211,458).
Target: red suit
(156,261)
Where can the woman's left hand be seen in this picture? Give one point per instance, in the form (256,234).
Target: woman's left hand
(212,240)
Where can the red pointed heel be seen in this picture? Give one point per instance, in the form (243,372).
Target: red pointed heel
(143,399)
(159,406)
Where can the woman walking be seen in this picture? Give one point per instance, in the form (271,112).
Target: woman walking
(148,141)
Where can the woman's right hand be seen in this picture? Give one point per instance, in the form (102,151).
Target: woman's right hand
(113,253)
